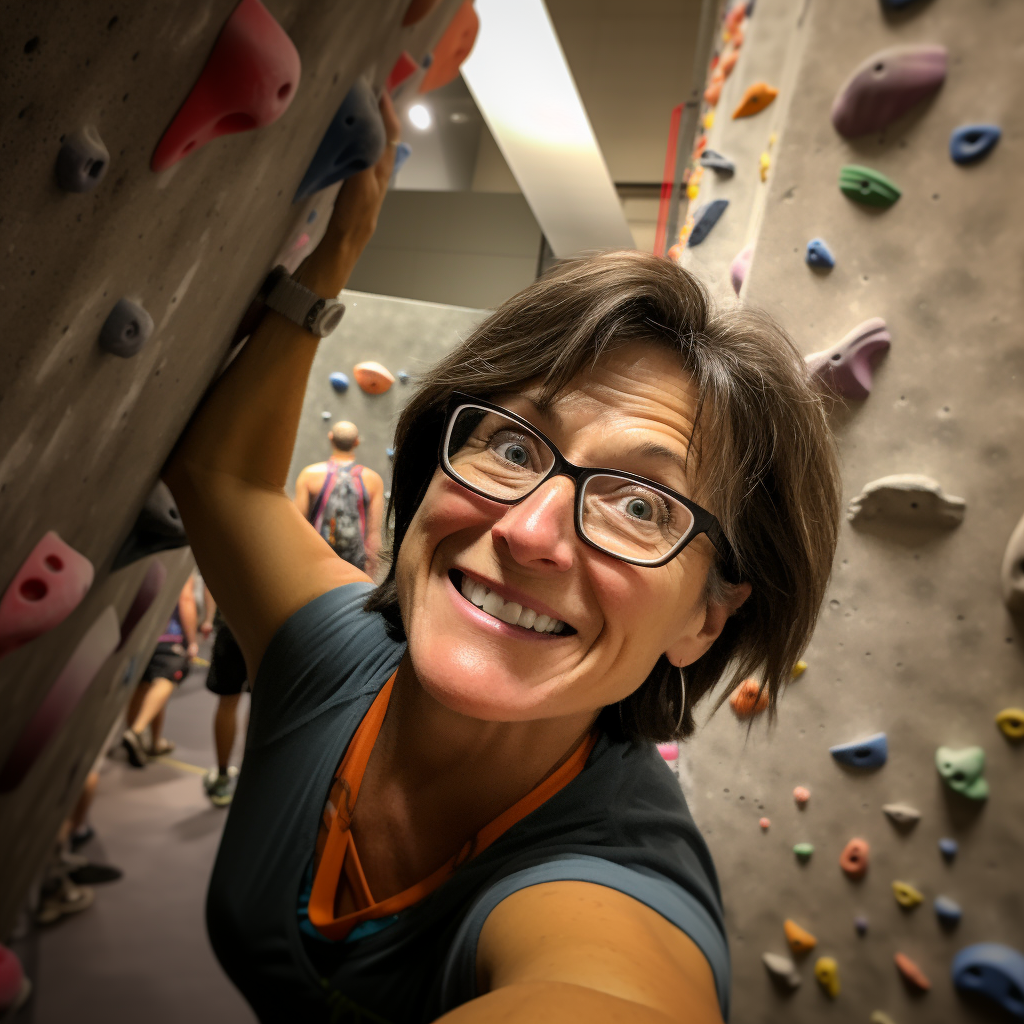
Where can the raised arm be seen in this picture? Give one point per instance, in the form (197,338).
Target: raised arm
(228,471)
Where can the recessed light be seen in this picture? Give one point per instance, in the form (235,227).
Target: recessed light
(420,117)
(459,117)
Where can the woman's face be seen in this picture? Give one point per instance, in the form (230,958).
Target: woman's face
(621,618)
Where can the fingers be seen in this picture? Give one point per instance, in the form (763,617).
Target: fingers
(392,126)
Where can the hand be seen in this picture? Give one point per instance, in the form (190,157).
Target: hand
(206,629)
(193,649)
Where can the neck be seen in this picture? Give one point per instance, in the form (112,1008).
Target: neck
(337,456)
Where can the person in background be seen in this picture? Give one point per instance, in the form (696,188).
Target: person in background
(168,666)
(344,500)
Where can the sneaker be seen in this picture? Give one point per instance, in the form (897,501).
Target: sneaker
(61,898)
(95,874)
(81,836)
(161,748)
(220,788)
(132,743)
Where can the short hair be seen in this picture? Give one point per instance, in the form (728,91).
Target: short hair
(344,435)
(765,460)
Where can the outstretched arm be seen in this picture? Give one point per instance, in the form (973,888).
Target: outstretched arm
(228,472)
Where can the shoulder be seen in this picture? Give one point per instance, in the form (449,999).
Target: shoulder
(591,935)
(308,471)
(373,479)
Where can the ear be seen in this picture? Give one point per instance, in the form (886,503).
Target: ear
(330,436)
(700,635)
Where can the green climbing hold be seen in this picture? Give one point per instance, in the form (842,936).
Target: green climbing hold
(963,771)
(804,850)
(867,186)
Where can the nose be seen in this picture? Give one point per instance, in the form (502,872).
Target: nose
(539,530)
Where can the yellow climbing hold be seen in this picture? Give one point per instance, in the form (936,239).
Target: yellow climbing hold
(826,970)
(906,895)
(692,190)
(800,940)
(1011,723)
(765,163)
(799,669)
(709,120)
(881,1017)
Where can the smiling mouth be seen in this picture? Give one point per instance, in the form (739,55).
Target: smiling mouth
(509,612)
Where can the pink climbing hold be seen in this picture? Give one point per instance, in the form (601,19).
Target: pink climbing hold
(669,751)
(740,266)
(92,651)
(301,242)
(151,585)
(13,984)
(801,795)
(44,592)
(249,81)
(765,824)
(846,367)
(886,86)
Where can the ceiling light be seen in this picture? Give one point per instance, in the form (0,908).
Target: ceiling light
(420,117)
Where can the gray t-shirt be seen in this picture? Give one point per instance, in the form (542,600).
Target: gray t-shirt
(622,822)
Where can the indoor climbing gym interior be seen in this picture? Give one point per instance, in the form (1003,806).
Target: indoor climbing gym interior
(512,511)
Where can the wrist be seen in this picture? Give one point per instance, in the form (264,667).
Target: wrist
(326,271)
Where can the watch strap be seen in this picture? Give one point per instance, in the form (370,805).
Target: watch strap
(300,304)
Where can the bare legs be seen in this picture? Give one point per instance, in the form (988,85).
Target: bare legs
(225,728)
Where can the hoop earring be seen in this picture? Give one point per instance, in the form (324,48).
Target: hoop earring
(682,699)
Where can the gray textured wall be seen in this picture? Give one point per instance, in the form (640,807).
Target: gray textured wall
(914,638)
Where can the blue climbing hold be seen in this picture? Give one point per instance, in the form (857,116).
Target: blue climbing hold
(126,329)
(993,970)
(705,219)
(819,256)
(403,377)
(972,142)
(339,381)
(948,847)
(948,911)
(389,452)
(872,752)
(311,217)
(354,140)
(402,153)
(82,161)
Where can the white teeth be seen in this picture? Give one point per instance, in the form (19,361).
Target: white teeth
(508,611)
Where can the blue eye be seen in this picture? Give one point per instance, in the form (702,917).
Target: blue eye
(639,509)
(514,452)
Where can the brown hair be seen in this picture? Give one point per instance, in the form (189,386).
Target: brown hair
(765,459)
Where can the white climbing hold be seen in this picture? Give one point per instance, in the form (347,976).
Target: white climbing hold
(909,499)
(902,814)
(783,968)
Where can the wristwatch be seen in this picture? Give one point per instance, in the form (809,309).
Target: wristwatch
(283,294)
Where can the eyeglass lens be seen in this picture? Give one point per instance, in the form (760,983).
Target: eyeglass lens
(503,460)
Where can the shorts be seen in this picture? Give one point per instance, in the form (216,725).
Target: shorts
(169,661)
(228,675)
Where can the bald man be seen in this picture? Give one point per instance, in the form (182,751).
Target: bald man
(344,500)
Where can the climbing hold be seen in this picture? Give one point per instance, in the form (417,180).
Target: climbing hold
(713,93)
(1011,723)
(782,969)
(948,911)
(301,242)
(15,988)
(669,751)
(405,67)
(1012,572)
(803,851)
(962,770)
(453,48)
(755,99)
(912,974)
(908,499)
(157,528)
(872,752)
(311,217)
(854,858)
(98,643)
(801,794)
(818,255)
(800,940)
(992,970)
(880,1017)
(389,452)
(764,163)
(886,86)
(402,153)
(734,17)
(249,80)
(126,329)
(826,973)
(728,62)
(46,589)
(325,415)
(354,141)
(799,669)
(151,585)
(718,163)
(740,266)
(902,814)
(872,188)
(860,923)
(403,377)
(82,160)
(749,699)
(765,824)
(972,142)
(906,895)
(373,378)
(846,367)
(339,381)
(418,10)
(948,848)
(705,219)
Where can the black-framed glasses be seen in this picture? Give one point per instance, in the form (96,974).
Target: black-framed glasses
(500,456)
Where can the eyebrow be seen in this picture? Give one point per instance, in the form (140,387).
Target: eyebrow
(652,448)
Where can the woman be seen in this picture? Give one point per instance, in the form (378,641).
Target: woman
(451,808)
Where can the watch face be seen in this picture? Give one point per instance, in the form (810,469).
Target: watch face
(330,318)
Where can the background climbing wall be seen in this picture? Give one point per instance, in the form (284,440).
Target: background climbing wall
(914,639)
(83,433)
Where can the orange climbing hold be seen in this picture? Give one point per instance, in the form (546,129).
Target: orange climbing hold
(737,37)
(799,939)
(801,794)
(735,17)
(749,699)
(454,47)
(911,972)
(854,858)
(714,91)
(373,378)
(729,62)
(757,97)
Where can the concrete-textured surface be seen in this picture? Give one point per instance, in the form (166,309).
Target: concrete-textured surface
(914,638)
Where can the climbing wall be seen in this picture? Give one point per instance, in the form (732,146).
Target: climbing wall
(230,102)
(914,639)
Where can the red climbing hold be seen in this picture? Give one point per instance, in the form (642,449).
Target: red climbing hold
(404,68)
(44,592)
(454,47)
(249,81)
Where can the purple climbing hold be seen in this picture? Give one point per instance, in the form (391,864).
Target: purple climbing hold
(846,367)
(705,219)
(948,848)
(740,266)
(126,329)
(819,255)
(82,161)
(886,86)
(860,922)
(972,142)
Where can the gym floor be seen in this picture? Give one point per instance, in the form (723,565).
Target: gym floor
(141,951)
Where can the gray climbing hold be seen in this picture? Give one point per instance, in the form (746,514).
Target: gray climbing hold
(157,528)
(782,969)
(1012,572)
(82,160)
(902,814)
(718,163)
(847,367)
(706,217)
(819,255)
(339,381)
(948,847)
(948,911)
(325,415)
(872,752)
(126,329)
(860,922)
(908,499)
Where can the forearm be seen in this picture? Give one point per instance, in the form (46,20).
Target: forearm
(189,619)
